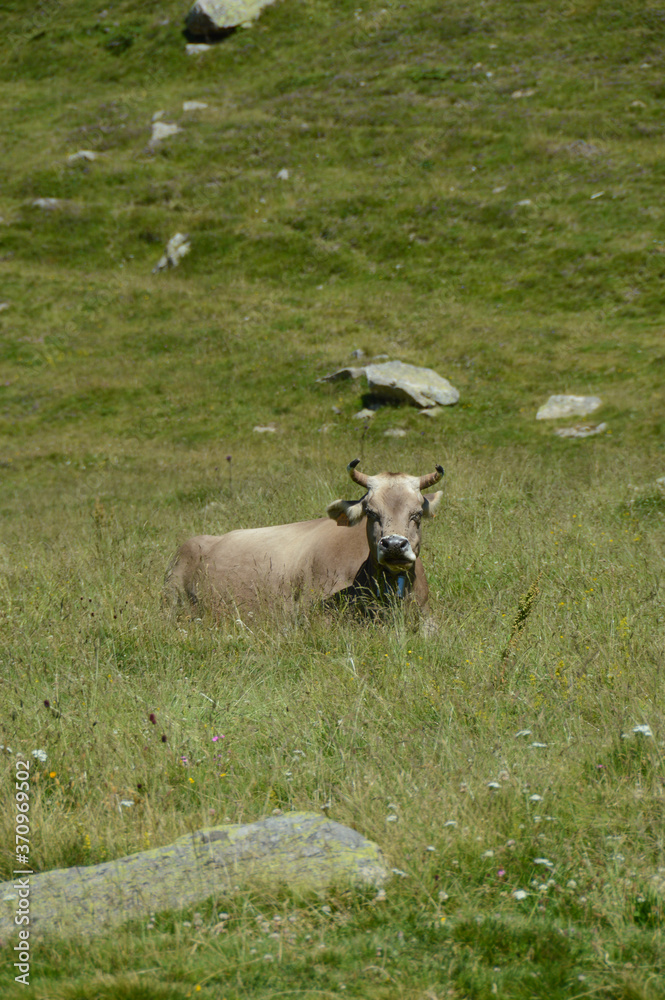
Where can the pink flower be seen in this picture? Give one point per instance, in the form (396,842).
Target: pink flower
(501,872)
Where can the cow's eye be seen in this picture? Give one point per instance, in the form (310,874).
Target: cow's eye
(417,517)
(371,514)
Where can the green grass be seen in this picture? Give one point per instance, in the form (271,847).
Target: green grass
(398,231)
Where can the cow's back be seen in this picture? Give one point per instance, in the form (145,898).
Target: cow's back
(249,567)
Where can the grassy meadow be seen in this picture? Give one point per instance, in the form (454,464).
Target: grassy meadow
(472,186)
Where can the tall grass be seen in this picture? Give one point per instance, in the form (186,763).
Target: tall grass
(509,761)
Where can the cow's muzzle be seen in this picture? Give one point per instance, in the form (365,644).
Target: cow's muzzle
(395,552)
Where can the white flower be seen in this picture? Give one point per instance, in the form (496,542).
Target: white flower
(543,861)
(487,854)
(398,871)
(493,784)
(40,755)
(126,803)
(643,730)
(520,894)
(535,798)
(391,819)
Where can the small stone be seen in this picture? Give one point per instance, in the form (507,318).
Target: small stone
(283,174)
(162,130)
(581,430)
(364,414)
(194,105)
(516,94)
(568,406)
(176,248)
(47,203)
(431,412)
(3,306)
(395,432)
(83,154)
(267,429)
(196,48)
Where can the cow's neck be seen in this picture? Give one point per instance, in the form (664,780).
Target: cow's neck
(389,586)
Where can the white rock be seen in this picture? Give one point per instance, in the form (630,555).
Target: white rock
(47,203)
(176,248)
(162,130)
(408,383)
(580,430)
(431,411)
(196,48)
(83,154)
(568,406)
(283,174)
(194,105)
(210,17)
(364,414)
(395,432)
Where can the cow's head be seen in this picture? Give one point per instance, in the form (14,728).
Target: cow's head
(394,506)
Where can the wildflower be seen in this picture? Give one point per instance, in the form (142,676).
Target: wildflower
(543,861)
(493,784)
(487,854)
(40,755)
(215,738)
(126,803)
(152,718)
(391,819)
(642,730)
(535,798)
(52,774)
(501,873)
(520,894)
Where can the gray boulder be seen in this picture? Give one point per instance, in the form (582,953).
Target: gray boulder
(212,17)
(568,406)
(397,381)
(302,851)
(423,387)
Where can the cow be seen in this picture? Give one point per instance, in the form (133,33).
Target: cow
(337,557)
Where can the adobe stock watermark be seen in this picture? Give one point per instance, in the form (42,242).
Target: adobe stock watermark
(22,874)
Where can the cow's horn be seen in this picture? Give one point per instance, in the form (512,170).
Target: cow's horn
(357,477)
(433,477)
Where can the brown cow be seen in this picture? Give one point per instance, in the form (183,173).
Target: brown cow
(308,560)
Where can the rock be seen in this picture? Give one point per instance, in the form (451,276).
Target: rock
(83,154)
(162,130)
(194,105)
(395,380)
(342,375)
(176,248)
(196,48)
(267,429)
(208,18)
(48,203)
(568,406)
(580,430)
(3,306)
(283,174)
(357,354)
(432,411)
(304,852)
(364,414)
(407,383)
(395,432)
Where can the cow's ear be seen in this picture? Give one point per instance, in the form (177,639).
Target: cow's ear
(431,502)
(346,512)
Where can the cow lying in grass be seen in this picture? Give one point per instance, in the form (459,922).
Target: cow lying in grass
(366,551)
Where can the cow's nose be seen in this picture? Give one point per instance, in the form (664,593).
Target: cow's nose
(394,544)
